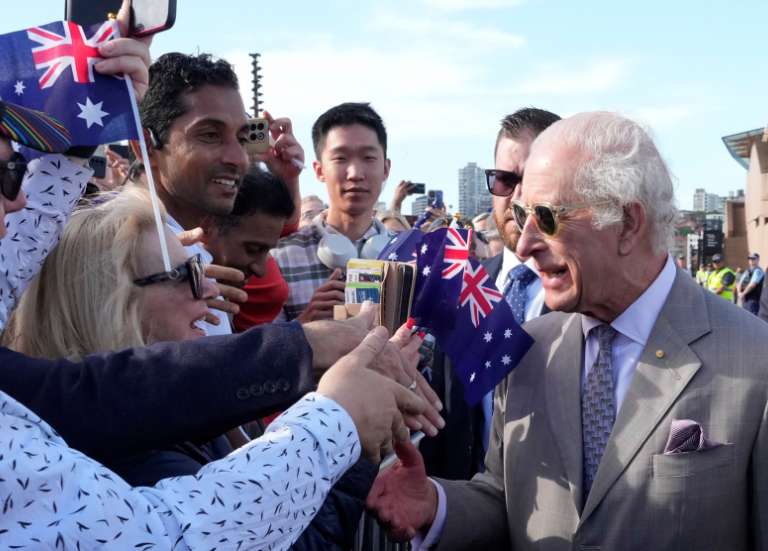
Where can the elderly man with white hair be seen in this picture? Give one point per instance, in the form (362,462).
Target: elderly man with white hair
(639,418)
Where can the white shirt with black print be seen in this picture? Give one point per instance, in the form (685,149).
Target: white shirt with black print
(53,185)
(261,496)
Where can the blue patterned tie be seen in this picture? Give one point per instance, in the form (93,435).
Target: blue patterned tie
(516,291)
(598,411)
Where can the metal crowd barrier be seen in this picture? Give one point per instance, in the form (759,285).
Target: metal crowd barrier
(371,537)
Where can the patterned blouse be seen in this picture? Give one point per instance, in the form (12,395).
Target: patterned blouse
(261,496)
(53,185)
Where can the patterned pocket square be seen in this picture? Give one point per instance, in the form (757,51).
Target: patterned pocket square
(686,435)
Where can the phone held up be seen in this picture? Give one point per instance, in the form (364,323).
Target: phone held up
(147,16)
(258,135)
(416,188)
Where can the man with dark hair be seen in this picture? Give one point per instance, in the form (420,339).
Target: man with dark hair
(350,144)
(197,125)
(243,238)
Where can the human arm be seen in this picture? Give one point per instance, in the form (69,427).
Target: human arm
(249,496)
(285,159)
(759,490)
(126,402)
(401,192)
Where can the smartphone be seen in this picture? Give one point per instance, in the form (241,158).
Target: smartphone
(258,135)
(88,12)
(415,188)
(99,166)
(147,16)
(120,149)
(435,198)
(151,16)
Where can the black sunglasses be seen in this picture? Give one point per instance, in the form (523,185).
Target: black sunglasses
(502,182)
(11,175)
(191,270)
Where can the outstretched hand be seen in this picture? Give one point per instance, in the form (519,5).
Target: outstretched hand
(376,404)
(402,497)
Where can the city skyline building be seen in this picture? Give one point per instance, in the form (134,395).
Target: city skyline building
(473,194)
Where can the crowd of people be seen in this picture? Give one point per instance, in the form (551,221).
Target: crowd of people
(218,404)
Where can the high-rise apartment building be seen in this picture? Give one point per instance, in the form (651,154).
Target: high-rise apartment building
(419,205)
(473,194)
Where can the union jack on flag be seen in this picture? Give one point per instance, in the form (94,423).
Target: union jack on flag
(72,49)
(456,252)
(51,68)
(475,293)
(466,315)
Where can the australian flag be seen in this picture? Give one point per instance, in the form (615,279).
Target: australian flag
(403,246)
(459,304)
(50,68)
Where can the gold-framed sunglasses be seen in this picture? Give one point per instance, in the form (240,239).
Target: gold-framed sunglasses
(546,215)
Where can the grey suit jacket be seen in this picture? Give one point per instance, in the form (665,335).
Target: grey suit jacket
(705,360)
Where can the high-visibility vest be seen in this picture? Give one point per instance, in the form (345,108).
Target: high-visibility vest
(701,277)
(715,281)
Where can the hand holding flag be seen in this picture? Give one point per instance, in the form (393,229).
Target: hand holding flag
(72,72)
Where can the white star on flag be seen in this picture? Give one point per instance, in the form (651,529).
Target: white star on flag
(425,272)
(487,337)
(507,333)
(19,88)
(423,248)
(91,112)
(392,256)
(506,359)
(488,365)
(472,377)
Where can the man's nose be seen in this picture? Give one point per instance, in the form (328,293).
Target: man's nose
(234,154)
(530,239)
(355,171)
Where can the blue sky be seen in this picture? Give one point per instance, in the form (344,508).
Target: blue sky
(443,72)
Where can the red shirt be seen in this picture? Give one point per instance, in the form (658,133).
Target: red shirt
(266,295)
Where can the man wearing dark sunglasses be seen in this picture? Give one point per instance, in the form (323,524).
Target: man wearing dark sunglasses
(638,419)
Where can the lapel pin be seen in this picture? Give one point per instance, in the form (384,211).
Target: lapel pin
(660,354)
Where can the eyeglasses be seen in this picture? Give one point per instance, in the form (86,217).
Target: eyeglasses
(502,182)
(546,215)
(11,175)
(191,270)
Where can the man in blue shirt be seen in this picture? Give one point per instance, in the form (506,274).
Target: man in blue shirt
(751,285)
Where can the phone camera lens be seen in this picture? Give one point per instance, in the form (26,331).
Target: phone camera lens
(260,126)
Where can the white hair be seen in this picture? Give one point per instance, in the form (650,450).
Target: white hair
(620,165)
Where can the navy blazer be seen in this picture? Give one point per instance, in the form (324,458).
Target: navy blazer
(114,404)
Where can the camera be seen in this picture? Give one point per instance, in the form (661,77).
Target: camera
(415,188)
(258,136)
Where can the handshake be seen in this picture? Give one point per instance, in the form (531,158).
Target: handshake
(375,379)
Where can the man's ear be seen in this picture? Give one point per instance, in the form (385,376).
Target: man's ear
(387,167)
(634,228)
(317,166)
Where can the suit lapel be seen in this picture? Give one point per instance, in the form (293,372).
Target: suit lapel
(563,383)
(656,383)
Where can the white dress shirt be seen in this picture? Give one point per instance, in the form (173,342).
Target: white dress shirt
(633,327)
(224,327)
